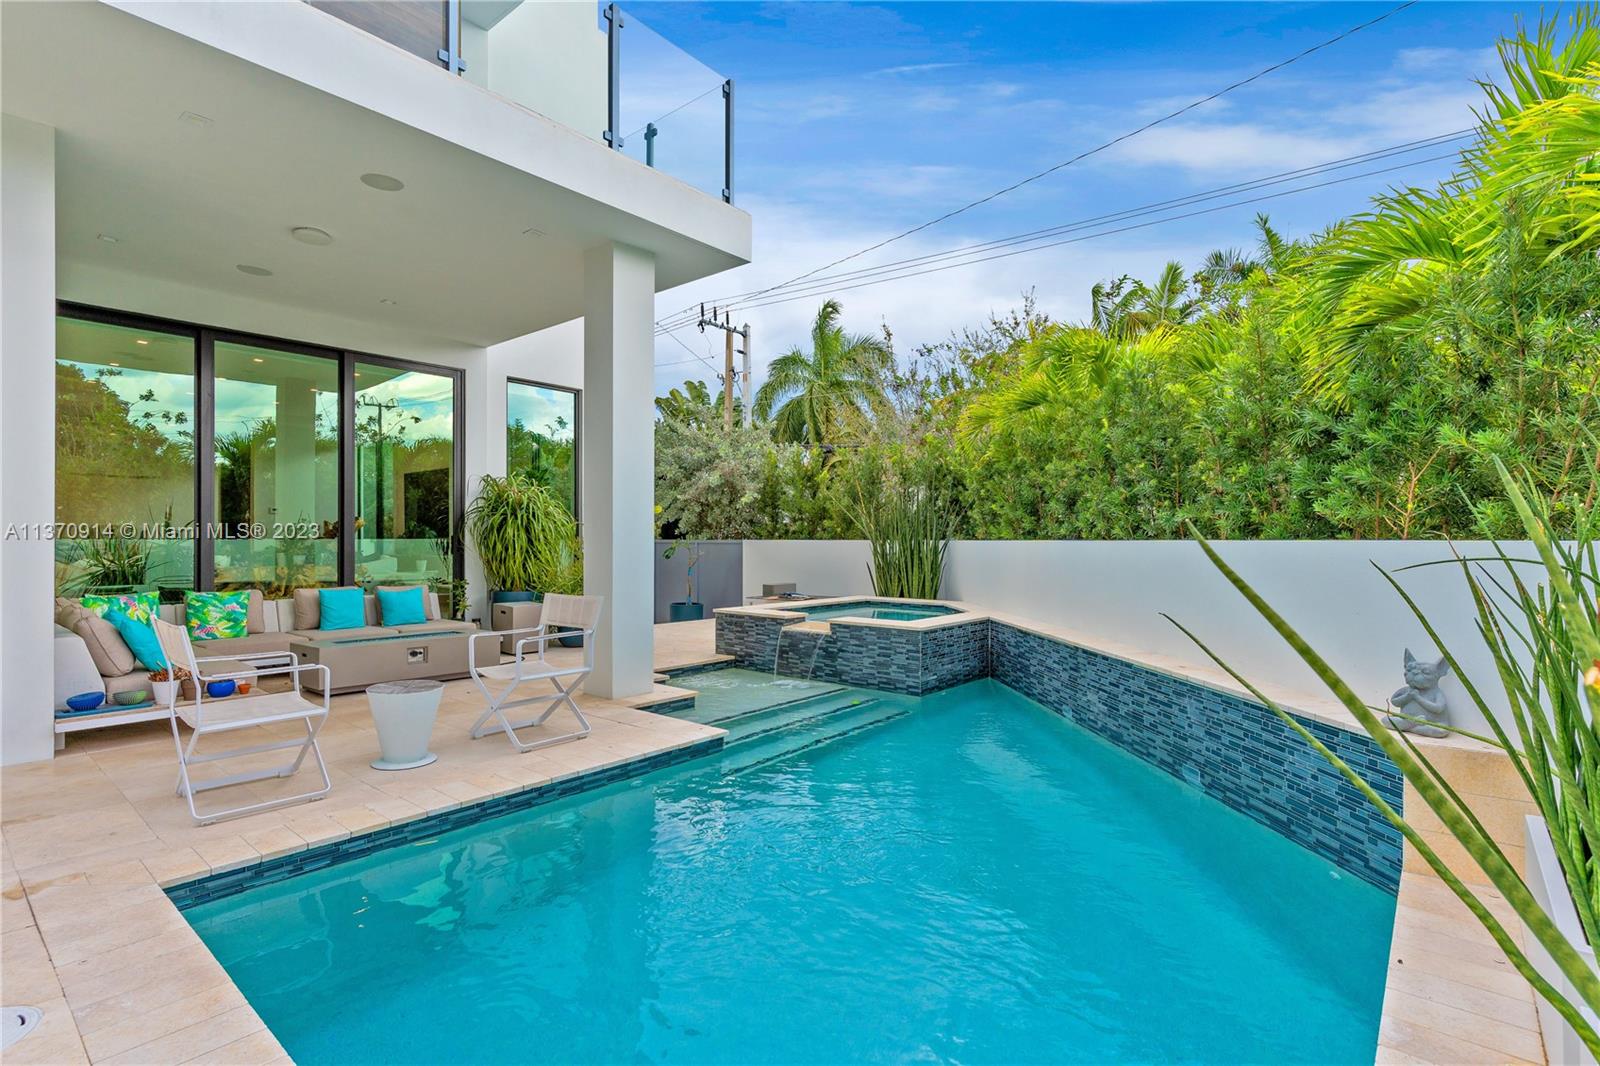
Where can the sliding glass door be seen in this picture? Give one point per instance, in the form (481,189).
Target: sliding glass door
(188,457)
(275,475)
(125,457)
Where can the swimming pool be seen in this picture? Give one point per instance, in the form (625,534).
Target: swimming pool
(964,876)
(886,610)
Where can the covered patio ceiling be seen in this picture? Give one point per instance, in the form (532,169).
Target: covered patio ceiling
(180,161)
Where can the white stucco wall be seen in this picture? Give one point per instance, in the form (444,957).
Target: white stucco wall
(1118,590)
(27,426)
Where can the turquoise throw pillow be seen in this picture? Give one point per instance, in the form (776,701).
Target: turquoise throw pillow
(141,639)
(401,607)
(342,608)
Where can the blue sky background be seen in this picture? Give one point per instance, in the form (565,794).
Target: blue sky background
(858,120)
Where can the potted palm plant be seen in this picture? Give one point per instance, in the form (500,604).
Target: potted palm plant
(524,536)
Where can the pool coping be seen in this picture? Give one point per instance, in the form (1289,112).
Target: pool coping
(212,887)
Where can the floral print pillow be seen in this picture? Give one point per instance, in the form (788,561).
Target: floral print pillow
(216,615)
(139,606)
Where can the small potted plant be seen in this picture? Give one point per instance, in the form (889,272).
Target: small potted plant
(687,609)
(165,681)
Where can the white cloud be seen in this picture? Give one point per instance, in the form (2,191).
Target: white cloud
(1229,148)
(1471,60)
(919,310)
(913,68)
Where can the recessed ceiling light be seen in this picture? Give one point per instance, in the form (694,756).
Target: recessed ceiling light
(195,119)
(382,182)
(533,231)
(386,300)
(311,235)
(253,271)
(257,359)
(108,238)
(140,340)
(115,363)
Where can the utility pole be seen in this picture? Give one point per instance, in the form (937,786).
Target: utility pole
(725,323)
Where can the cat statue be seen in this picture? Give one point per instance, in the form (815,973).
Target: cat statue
(1421,698)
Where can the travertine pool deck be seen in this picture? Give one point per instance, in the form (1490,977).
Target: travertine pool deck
(88,840)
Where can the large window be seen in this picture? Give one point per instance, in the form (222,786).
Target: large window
(125,457)
(188,457)
(405,487)
(276,471)
(541,437)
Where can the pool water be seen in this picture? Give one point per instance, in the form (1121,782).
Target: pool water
(891,612)
(961,877)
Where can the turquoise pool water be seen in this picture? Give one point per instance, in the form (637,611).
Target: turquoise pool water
(964,877)
(889,611)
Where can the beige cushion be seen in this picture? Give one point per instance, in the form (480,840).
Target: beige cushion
(255,615)
(69,612)
(430,605)
(307,609)
(251,644)
(111,654)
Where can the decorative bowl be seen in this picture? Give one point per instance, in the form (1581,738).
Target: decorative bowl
(218,689)
(86,701)
(134,697)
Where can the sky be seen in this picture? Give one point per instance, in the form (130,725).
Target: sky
(857,121)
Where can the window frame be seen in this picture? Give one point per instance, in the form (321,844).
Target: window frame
(205,339)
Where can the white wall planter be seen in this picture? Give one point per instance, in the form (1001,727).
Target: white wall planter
(1549,887)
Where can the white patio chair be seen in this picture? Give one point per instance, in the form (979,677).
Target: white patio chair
(210,717)
(573,613)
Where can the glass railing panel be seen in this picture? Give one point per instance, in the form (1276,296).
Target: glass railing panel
(671,109)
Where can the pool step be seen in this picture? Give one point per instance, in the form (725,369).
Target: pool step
(737,720)
(761,747)
(773,720)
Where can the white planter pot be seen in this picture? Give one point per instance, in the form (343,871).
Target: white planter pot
(166,692)
(1549,887)
(404,712)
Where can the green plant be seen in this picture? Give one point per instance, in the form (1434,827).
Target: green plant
(111,562)
(452,593)
(1545,643)
(526,539)
(909,530)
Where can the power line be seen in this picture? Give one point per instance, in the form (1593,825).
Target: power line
(1032,236)
(1102,147)
(691,351)
(1085,237)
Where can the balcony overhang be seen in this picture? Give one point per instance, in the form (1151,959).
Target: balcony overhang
(198,135)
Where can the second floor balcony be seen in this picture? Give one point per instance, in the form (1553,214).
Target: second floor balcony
(601,71)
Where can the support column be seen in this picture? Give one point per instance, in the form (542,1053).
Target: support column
(618,450)
(27,420)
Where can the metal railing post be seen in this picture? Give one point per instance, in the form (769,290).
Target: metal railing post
(727,141)
(650,132)
(450,54)
(613,135)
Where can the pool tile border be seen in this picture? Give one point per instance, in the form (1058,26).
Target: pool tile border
(1232,748)
(189,894)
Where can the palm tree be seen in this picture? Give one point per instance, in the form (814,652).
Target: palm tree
(812,396)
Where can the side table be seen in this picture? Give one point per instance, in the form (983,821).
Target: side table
(404,712)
